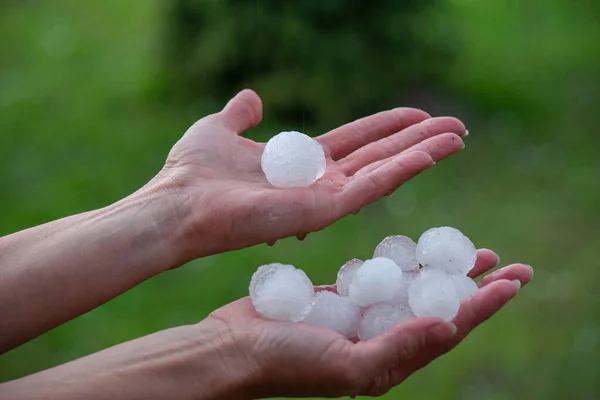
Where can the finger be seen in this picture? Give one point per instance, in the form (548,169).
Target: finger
(477,309)
(329,288)
(344,140)
(241,113)
(399,344)
(486,260)
(399,141)
(438,148)
(520,272)
(483,304)
(374,185)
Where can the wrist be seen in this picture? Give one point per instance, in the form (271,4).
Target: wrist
(190,222)
(156,217)
(223,363)
(194,362)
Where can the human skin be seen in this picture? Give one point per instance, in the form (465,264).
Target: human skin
(211,197)
(236,354)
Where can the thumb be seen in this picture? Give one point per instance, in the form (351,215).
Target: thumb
(242,112)
(401,343)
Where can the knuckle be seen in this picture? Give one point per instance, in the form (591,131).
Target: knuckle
(399,115)
(411,347)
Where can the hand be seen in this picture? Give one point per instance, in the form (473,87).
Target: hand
(301,360)
(224,202)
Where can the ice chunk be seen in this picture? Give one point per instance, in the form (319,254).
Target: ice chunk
(399,249)
(377,280)
(346,275)
(432,294)
(381,317)
(281,292)
(446,248)
(334,312)
(465,286)
(407,278)
(293,159)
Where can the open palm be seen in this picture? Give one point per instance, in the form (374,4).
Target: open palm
(300,360)
(216,175)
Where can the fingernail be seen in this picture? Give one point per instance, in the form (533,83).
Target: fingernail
(466,133)
(453,328)
(530,268)
(464,145)
(433,163)
(517,283)
(497,260)
(444,330)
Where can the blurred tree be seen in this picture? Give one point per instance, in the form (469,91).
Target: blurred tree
(314,62)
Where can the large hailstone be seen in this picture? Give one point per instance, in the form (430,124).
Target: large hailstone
(334,312)
(465,286)
(407,278)
(399,249)
(432,294)
(293,159)
(377,280)
(346,275)
(382,317)
(281,292)
(447,249)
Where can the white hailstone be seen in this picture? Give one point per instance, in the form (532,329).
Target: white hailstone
(377,280)
(465,286)
(447,249)
(334,312)
(281,292)
(293,159)
(407,278)
(432,294)
(346,275)
(379,318)
(401,250)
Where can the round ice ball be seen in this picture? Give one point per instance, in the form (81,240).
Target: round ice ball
(447,249)
(432,294)
(281,292)
(465,286)
(407,278)
(346,275)
(377,280)
(334,312)
(379,318)
(293,159)
(401,250)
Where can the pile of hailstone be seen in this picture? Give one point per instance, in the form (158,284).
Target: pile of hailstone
(403,280)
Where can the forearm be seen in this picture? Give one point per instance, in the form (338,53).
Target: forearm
(54,272)
(197,362)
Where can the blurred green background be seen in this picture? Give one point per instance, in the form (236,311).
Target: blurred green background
(94,93)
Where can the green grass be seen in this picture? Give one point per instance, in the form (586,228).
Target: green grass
(79,129)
